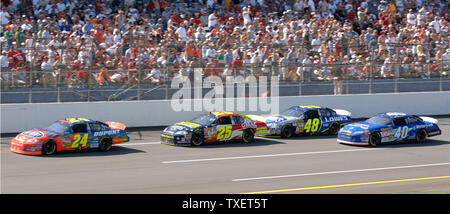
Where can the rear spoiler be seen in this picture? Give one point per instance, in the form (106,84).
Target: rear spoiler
(342,112)
(429,119)
(257,118)
(116,125)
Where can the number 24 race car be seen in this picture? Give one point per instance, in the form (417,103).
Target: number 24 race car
(70,134)
(213,127)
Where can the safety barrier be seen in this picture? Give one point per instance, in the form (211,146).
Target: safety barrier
(19,117)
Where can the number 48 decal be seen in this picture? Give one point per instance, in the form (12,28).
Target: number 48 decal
(312,125)
(402,132)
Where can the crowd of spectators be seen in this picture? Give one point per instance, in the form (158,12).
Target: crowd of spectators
(115,42)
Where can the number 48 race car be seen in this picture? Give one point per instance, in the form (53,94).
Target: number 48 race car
(389,128)
(70,134)
(312,120)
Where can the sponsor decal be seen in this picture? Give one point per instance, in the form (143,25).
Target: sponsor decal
(109,132)
(335,118)
(188,124)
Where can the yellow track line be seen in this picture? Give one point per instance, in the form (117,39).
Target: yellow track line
(347,185)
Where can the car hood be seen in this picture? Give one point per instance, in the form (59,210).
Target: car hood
(182,126)
(35,133)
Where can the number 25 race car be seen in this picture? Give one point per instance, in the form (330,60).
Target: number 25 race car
(213,127)
(389,128)
(70,134)
(306,120)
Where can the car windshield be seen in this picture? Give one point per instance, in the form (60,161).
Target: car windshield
(293,112)
(383,120)
(58,127)
(204,119)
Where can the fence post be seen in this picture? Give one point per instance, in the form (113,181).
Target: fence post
(442,69)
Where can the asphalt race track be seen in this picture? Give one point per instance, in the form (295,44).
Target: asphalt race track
(316,164)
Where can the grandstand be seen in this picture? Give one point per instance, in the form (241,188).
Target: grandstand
(94,50)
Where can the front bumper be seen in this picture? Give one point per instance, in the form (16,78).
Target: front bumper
(346,137)
(175,140)
(352,143)
(25,148)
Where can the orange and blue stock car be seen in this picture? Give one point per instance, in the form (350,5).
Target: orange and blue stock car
(71,134)
(213,127)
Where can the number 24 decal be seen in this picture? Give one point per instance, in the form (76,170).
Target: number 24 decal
(79,139)
(224,132)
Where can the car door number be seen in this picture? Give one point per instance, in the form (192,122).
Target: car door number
(402,132)
(312,125)
(224,132)
(79,139)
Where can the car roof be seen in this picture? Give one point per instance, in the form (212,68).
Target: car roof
(394,114)
(307,107)
(74,120)
(219,114)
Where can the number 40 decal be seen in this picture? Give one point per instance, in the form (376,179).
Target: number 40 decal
(402,132)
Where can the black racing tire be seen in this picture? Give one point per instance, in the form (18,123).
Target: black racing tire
(375,138)
(105,144)
(334,128)
(49,148)
(197,139)
(287,131)
(421,136)
(248,136)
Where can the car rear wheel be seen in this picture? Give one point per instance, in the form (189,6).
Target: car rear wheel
(287,131)
(334,128)
(197,139)
(105,144)
(49,148)
(375,139)
(421,136)
(248,136)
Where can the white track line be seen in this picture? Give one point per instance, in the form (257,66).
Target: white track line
(271,155)
(344,171)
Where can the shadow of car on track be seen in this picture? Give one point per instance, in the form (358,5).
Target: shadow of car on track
(115,151)
(301,137)
(237,143)
(430,142)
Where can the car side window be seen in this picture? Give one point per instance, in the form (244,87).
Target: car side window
(238,120)
(77,128)
(399,121)
(412,120)
(324,113)
(312,114)
(224,120)
(95,127)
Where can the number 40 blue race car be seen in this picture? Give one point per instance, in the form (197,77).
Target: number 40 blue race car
(389,128)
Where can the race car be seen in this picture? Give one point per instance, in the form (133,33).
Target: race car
(213,127)
(389,128)
(308,120)
(70,134)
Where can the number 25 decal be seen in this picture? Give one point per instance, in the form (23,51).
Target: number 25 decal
(224,132)
(79,139)
(312,125)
